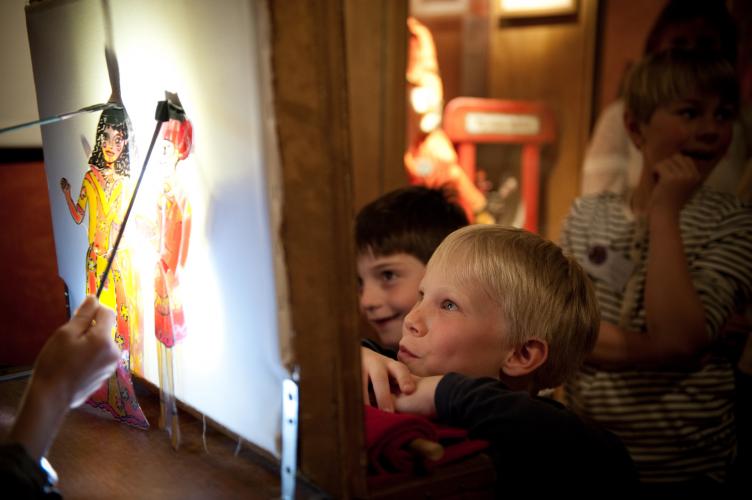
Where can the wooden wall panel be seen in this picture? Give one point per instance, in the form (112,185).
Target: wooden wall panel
(32,301)
(376,34)
(460,33)
(553,62)
(311,106)
(625,25)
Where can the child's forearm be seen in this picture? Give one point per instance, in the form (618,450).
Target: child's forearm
(42,411)
(611,349)
(674,313)
(618,348)
(422,400)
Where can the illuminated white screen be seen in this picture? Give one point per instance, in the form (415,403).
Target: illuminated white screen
(228,366)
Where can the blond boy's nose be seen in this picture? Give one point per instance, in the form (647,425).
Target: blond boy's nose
(413,324)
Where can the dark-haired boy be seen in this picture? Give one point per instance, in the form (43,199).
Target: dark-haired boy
(395,236)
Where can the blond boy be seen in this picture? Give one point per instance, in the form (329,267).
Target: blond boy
(501,314)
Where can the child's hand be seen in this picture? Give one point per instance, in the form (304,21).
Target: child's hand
(380,371)
(677,180)
(80,355)
(420,401)
(73,363)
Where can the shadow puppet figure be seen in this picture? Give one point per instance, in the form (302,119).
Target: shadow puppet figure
(102,191)
(173,231)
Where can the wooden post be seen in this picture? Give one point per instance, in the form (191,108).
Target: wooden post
(311,106)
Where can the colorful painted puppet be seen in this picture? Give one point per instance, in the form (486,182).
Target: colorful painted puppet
(431,159)
(102,192)
(173,231)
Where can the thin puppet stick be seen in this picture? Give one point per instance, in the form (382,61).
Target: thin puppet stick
(61,116)
(166,110)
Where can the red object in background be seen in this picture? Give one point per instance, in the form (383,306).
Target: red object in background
(430,159)
(433,163)
(469,121)
(32,302)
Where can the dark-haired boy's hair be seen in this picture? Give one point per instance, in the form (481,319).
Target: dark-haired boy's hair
(411,220)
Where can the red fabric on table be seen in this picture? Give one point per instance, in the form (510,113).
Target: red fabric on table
(388,437)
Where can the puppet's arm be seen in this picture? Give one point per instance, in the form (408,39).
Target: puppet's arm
(185,236)
(77,210)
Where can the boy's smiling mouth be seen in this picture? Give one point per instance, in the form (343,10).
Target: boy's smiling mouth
(380,322)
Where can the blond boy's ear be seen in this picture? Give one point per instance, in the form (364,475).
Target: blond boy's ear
(634,128)
(525,359)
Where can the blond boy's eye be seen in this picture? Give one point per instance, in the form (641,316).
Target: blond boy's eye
(449,305)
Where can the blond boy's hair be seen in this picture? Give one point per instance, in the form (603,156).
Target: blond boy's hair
(541,292)
(660,78)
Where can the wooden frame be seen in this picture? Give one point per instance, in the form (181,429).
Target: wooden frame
(309,74)
(376,36)
(319,49)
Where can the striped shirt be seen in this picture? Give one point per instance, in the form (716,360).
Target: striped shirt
(677,425)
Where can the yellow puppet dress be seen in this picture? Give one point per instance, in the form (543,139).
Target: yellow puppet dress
(102,191)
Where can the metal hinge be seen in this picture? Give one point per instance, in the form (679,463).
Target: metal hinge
(290,404)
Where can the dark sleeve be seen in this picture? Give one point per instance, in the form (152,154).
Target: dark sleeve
(743,417)
(376,347)
(21,477)
(534,438)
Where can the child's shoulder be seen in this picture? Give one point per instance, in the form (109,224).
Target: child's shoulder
(600,198)
(711,206)
(721,200)
(605,204)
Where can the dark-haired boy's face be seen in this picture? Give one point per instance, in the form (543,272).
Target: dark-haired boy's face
(698,126)
(388,289)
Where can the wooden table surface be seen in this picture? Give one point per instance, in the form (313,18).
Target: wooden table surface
(99,458)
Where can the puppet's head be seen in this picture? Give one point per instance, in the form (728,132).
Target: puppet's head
(111,146)
(178,135)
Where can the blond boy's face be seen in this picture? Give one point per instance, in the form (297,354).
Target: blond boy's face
(388,289)
(454,327)
(698,127)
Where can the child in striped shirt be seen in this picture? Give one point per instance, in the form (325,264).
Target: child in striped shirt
(670,261)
